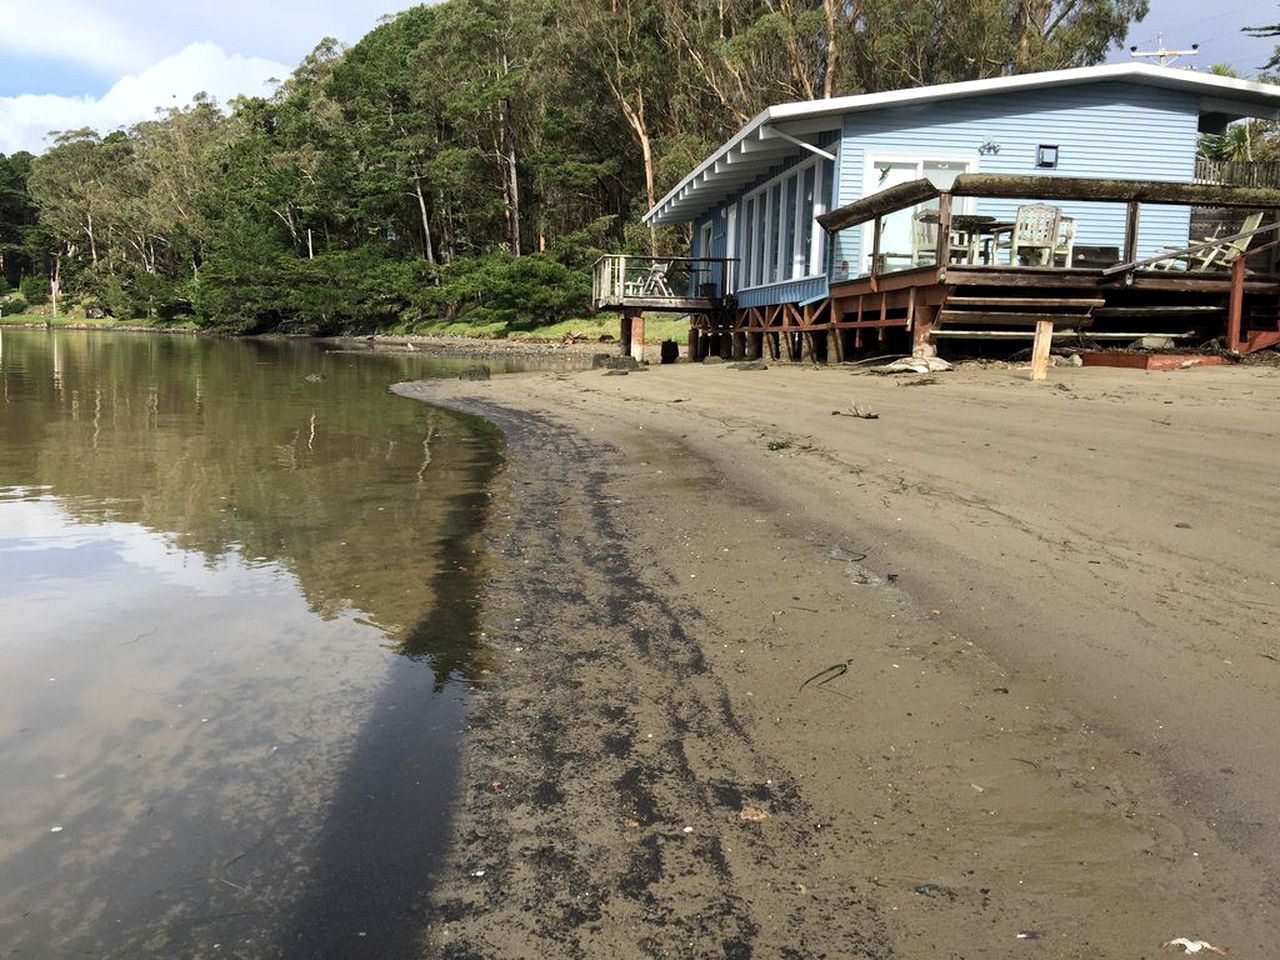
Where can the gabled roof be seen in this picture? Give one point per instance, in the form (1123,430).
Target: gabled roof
(772,134)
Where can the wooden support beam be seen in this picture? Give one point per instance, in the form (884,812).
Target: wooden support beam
(637,337)
(1131,217)
(875,251)
(921,344)
(624,334)
(944,229)
(1040,350)
(693,345)
(1235,309)
(835,345)
(1026,187)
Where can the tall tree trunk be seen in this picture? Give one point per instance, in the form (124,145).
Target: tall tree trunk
(635,117)
(55,282)
(93,245)
(428,249)
(513,182)
(833,50)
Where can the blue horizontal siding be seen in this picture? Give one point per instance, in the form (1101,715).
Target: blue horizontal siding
(1120,130)
(794,291)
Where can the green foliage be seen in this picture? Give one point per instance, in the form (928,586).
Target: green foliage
(34,290)
(14,306)
(465,162)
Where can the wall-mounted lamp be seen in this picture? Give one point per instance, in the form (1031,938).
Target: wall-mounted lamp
(1046,155)
(989,146)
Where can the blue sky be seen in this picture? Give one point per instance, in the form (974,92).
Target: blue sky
(71,63)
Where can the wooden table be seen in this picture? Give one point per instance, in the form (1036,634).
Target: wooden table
(967,230)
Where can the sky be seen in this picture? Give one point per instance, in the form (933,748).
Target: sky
(66,64)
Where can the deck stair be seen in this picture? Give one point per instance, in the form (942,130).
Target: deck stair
(989,315)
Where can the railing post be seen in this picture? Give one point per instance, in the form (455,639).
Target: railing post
(944,229)
(1131,232)
(875,251)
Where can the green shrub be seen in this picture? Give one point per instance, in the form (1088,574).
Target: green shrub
(14,307)
(34,290)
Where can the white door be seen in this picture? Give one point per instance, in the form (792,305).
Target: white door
(895,235)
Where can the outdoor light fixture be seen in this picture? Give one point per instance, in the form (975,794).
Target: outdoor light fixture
(989,146)
(1046,155)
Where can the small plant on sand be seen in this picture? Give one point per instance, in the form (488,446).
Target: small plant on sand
(778,444)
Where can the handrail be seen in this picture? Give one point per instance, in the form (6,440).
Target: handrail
(1193,248)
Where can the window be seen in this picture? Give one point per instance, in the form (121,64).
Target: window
(1046,155)
(779,240)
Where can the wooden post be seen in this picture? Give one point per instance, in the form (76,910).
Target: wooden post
(1235,309)
(739,345)
(637,337)
(875,251)
(624,334)
(921,345)
(1130,233)
(1040,349)
(693,344)
(944,229)
(835,344)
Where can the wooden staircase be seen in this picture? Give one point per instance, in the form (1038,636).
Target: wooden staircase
(995,316)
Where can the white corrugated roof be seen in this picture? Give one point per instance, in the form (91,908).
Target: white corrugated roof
(757,146)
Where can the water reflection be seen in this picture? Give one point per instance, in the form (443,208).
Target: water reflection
(212,554)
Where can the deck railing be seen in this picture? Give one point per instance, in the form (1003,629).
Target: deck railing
(990,238)
(620,279)
(1238,173)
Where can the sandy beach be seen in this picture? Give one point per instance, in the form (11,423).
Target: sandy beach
(775,682)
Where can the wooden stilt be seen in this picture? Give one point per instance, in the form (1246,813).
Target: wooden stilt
(739,345)
(693,345)
(1235,307)
(624,335)
(637,337)
(835,345)
(921,344)
(1040,349)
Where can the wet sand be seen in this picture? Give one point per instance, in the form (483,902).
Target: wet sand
(1048,619)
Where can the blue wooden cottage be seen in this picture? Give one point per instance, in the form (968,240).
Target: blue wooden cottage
(754,203)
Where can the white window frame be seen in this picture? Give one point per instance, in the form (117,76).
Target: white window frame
(963,204)
(789,264)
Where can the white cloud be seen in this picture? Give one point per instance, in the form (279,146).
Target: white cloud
(27,118)
(72,30)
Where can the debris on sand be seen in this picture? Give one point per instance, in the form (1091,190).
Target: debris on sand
(857,412)
(1194,946)
(749,365)
(830,673)
(1028,935)
(934,890)
(753,814)
(913,365)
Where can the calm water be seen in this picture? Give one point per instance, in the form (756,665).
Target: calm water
(238,616)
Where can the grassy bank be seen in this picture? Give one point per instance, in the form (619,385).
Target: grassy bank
(74,322)
(657,327)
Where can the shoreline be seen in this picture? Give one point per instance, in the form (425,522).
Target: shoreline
(958,782)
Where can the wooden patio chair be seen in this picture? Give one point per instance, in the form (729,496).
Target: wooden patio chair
(1035,231)
(1217,257)
(1066,244)
(924,239)
(655,284)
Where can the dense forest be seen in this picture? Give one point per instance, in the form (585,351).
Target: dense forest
(466,161)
